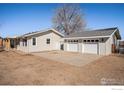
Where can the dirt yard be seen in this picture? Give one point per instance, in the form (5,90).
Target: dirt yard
(27,69)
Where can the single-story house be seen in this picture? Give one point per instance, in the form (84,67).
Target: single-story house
(100,41)
(40,41)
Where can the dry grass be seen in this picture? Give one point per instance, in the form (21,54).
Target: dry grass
(26,69)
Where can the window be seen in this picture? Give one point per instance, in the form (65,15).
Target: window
(76,40)
(25,42)
(48,41)
(88,40)
(33,41)
(96,40)
(92,40)
(18,42)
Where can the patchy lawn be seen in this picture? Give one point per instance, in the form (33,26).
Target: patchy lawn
(26,69)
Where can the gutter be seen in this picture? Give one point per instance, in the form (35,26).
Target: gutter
(87,37)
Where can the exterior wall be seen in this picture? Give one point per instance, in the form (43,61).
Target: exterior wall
(102,48)
(41,44)
(56,41)
(108,46)
(82,50)
(80,47)
(65,46)
(109,42)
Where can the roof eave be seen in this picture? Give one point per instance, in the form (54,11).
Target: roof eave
(23,36)
(118,34)
(86,37)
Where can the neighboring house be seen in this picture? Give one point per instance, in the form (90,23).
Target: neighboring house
(121,46)
(1,42)
(6,43)
(101,41)
(39,41)
(9,42)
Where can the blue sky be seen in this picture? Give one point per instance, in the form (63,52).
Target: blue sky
(17,19)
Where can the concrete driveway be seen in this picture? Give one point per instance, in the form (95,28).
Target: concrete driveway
(71,58)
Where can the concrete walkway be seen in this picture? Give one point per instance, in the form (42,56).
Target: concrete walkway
(71,58)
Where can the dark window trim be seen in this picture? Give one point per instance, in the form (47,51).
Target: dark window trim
(25,42)
(48,41)
(102,39)
(88,40)
(92,40)
(84,40)
(96,40)
(34,41)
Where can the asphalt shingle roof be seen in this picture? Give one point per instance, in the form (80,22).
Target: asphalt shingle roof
(98,32)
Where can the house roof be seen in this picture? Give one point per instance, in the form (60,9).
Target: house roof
(40,32)
(93,33)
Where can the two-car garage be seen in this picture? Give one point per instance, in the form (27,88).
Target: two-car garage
(99,41)
(91,48)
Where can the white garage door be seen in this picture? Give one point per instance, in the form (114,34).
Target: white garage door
(90,48)
(73,47)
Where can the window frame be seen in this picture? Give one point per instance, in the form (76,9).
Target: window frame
(92,40)
(96,40)
(88,40)
(102,39)
(26,42)
(34,44)
(48,41)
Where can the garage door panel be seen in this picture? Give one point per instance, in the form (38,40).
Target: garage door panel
(73,47)
(90,48)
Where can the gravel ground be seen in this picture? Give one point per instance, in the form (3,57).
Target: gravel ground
(27,69)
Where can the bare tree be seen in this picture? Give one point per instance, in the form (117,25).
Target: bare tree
(68,19)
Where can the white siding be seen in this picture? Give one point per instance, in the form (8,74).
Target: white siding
(102,49)
(56,42)
(109,46)
(41,44)
(80,47)
(65,46)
